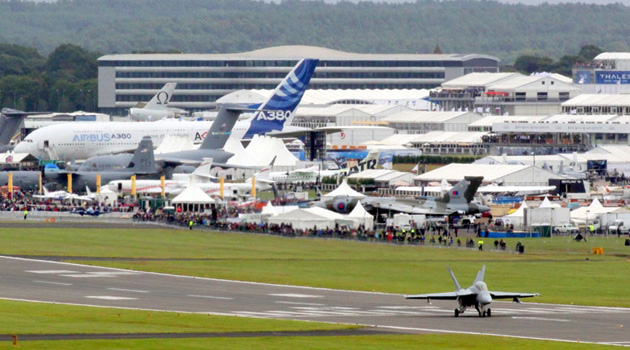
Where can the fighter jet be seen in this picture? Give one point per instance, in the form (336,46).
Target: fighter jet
(458,200)
(476,295)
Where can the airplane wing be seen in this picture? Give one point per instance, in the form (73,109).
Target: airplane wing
(440,296)
(516,189)
(402,207)
(509,295)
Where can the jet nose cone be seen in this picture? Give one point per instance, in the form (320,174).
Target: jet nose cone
(484,298)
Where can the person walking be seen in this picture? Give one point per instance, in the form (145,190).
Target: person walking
(25,213)
(190,224)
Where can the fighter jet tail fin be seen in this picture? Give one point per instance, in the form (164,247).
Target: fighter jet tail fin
(457,287)
(143,161)
(480,274)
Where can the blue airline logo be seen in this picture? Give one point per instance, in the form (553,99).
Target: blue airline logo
(101,137)
(278,109)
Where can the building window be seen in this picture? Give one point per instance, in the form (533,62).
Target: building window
(542,96)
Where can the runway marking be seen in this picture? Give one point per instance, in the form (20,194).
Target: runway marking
(129,290)
(540,319)
(55,283)
(109,297)
(294,295)
(97,274)
(298,303)
(56,272)
(209,297)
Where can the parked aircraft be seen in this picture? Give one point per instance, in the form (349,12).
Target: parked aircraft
(24,179)
(157,108)
(315,174)
(55,195)
(458,200)
(476,295)
(176,186)
(142,163)
(79,141)
(10,122)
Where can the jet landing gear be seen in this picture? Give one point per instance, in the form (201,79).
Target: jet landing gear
(459,311)
(483,312)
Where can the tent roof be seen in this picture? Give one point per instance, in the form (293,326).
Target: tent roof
(269,209)
(192,195)
(344,190)
(359,211)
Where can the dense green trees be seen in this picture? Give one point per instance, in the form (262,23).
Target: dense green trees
(217,26)
(531,63)
(65,81)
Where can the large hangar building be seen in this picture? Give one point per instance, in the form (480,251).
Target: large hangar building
(125,79)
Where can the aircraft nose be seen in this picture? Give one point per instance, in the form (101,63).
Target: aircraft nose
(484,298)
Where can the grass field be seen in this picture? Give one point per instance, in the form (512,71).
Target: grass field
(34,318)
(549,266)
(401,342)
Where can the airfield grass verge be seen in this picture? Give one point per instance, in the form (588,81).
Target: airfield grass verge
(550,266)
(18,317)
(376,342)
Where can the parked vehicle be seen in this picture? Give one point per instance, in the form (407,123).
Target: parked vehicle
(619,225)
(566,228)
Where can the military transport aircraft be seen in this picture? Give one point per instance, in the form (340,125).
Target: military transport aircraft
(476,295)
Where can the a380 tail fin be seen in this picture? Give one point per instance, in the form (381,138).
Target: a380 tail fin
(162,98)
(275,112)
(143,161)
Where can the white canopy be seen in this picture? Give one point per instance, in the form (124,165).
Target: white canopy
(344,190)
(269,209)
(362,216)
(547,204)
(192,195)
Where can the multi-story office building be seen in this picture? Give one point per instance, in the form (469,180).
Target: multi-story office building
(124,80)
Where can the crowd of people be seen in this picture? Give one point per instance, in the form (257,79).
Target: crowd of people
(222,219)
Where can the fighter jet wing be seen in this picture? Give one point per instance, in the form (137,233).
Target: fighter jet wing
(508,295)
(440,296)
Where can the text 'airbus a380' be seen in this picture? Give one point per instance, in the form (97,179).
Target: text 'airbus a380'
(476,295)
(77,141)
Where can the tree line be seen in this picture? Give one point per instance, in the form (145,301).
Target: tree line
(223,26)
(65,81)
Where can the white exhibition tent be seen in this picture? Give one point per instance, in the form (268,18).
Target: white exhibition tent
(591,212)
(312,217)
(362,216)
(344,190)
(193,198)
(517,217)
(547,214)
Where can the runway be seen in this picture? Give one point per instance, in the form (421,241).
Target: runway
(48,281)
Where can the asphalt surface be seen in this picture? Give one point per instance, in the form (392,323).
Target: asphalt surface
(49,281)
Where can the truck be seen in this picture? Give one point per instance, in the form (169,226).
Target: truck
(566,228)
(619,226)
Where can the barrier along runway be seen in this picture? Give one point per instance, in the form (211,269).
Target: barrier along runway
(49,281)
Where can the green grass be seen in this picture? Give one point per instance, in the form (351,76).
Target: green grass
(401,342)
(550,266)
(18,317)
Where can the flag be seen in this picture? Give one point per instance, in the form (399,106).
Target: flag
(415,169)
(573,111)
(487,109)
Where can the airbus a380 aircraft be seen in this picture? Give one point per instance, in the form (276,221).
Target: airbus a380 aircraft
(78,141)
